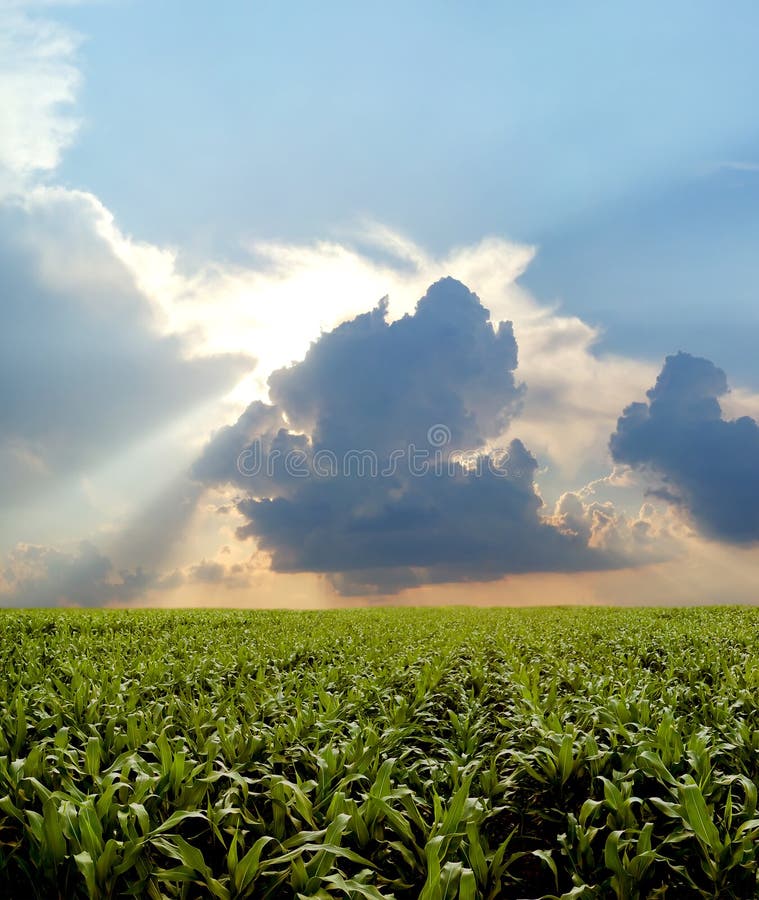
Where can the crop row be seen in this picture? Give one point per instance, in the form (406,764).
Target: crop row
(440,753)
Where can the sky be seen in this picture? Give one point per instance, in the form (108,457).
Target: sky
(414,303)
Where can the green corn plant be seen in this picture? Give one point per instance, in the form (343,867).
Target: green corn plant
(379,753)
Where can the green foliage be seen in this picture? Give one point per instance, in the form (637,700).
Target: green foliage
(445,754)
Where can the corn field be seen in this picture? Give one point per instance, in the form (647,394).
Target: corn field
(406,753)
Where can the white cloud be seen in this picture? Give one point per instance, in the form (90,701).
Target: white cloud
(38,85)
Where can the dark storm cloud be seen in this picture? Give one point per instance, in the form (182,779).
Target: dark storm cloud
(409,530)
(375,389)
(82,368)
(370,384)
(707,465)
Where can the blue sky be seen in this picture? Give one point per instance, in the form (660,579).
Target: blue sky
(619,139)
(235,184)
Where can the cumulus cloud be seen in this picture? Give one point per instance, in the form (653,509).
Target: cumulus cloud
(705,464)
(342,495)
(645,536)
(36,575)
(386,384)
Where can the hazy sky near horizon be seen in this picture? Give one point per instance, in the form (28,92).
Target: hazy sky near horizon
(200,213)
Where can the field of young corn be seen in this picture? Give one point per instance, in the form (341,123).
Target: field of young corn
(429,754)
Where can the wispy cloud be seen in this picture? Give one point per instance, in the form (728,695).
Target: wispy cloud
(736,165)
(39,81)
